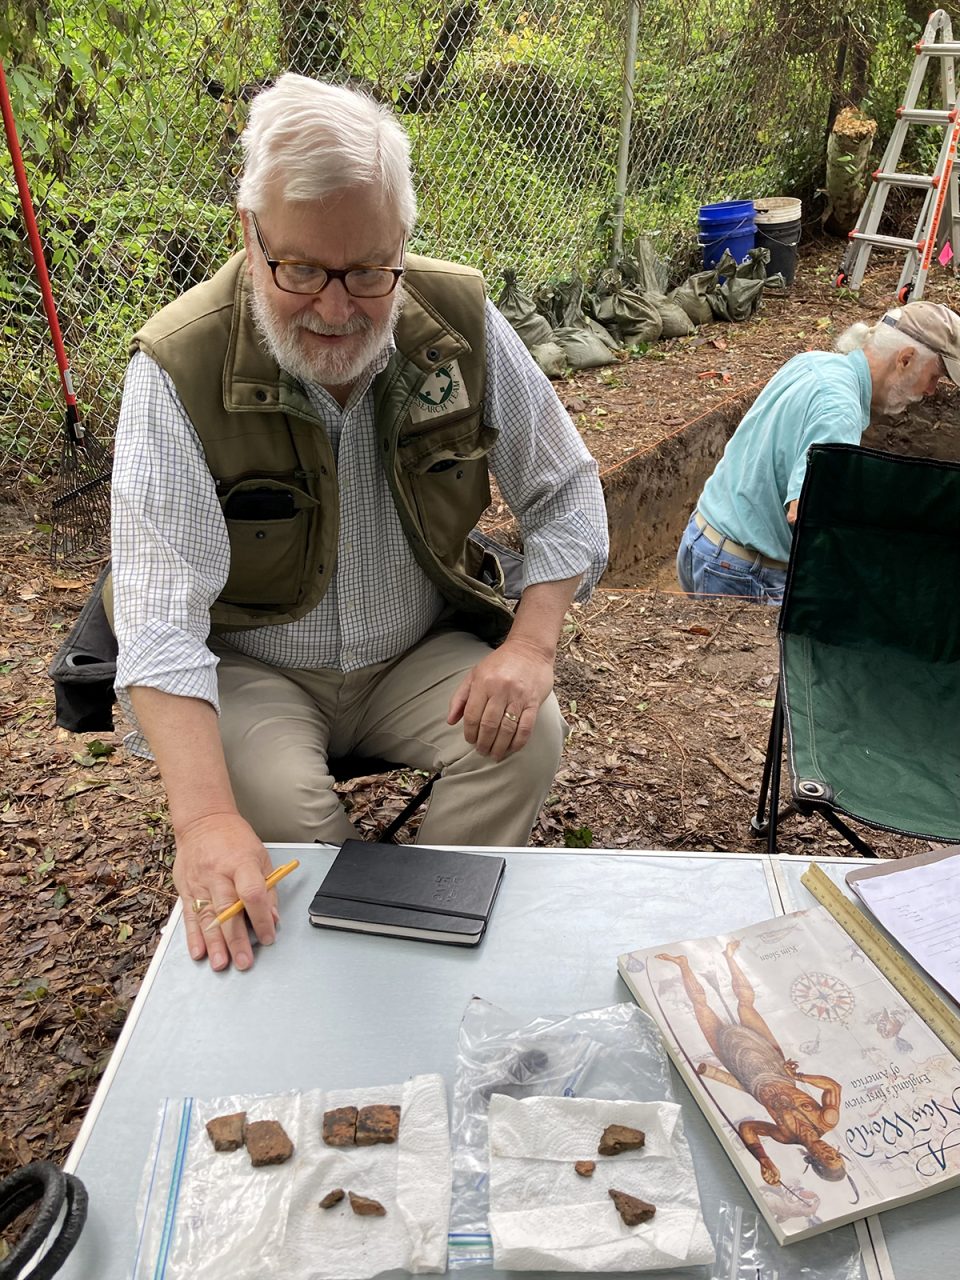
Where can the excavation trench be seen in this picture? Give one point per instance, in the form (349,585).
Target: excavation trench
(651,494)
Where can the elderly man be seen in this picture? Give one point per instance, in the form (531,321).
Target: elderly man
(737,541)
(304,446)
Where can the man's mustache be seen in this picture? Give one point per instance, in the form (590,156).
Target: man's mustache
(358,324)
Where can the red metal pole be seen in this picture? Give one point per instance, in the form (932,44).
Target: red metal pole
(26,204)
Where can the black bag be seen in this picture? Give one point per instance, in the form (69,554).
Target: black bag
(84,668)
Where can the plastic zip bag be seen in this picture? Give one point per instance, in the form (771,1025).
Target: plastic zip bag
(746,1250)
(209,1215)
(193,1199)
(602,1053)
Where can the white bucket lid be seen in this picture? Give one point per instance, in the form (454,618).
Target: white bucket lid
(777,209)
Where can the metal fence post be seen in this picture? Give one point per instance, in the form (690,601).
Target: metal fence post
(626,116)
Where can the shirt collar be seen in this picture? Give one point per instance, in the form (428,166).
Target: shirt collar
(865,381)
(316,392)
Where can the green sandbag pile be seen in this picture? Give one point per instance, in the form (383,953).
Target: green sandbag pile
(565,324)
(585,343)
(739,294)
(647,273)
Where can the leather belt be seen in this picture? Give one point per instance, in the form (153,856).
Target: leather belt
(727,544)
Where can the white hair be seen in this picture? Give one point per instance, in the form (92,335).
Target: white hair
(884,339)
(310,140)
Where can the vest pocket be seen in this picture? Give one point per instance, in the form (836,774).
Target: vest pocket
(483,564)
(445,472)
(268,525)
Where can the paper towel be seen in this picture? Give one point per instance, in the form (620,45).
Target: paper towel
(544,1216)
(411,1179)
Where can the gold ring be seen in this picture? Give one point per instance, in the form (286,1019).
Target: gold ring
(508,715)
(199,903)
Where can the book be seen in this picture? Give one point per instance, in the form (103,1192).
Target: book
(832,1098)
(436,895)
(915,899)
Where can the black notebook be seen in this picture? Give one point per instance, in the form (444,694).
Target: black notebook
(437,895)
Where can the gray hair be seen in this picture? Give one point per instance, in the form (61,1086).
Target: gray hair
(312,140)
(884,339)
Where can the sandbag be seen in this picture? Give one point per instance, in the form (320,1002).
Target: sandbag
(586,346)
(629,315)
(674,321)
(518,307)
(644,267)
(738,297)
(692,296)
(551,357)
(585,343)
(550,302)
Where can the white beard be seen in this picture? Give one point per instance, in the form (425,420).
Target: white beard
(337,368)
(898,402)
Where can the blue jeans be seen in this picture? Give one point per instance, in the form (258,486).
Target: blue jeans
(706,570)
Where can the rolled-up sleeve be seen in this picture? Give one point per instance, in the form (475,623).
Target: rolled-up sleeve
(171,554)
(545,472)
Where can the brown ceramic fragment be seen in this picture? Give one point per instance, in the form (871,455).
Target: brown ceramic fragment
(332,1197)
(620,1137)
(340,1127)
(377,1123)
(365,1208)
(226,1132)
(632,1209)
(267,1142)
(585,1168)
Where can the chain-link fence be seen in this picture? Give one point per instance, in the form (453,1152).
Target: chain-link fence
(130,115)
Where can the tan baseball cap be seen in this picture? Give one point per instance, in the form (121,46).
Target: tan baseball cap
(933,325)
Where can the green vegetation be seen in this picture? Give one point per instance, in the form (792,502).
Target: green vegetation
(130,116)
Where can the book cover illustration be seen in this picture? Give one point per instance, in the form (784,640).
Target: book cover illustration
(832,1097)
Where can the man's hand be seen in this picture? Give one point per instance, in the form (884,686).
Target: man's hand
(219,856)
(219,859)
(499,699)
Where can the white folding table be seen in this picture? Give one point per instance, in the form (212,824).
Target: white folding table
(332,1010)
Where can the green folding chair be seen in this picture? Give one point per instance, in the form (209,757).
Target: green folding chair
(869,693)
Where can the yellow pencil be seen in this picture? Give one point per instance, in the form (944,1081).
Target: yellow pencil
(273,878)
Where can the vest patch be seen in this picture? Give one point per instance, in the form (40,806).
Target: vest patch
(442,393)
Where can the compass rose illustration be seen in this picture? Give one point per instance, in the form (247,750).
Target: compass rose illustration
(822,996)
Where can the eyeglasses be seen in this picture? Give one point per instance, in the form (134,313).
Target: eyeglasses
(292,275)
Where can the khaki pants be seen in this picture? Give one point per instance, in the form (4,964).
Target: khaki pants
(279,725)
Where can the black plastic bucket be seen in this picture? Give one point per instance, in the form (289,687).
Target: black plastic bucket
(778,229)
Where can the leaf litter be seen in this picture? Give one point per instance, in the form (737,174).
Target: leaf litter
(668,701)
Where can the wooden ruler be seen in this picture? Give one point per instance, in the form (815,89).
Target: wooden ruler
(939,1017)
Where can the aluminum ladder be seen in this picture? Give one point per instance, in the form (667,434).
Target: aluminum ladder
(941,187)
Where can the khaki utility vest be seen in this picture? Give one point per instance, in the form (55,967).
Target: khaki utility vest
(273,464)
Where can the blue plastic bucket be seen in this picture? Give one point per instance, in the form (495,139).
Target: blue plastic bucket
(727,225)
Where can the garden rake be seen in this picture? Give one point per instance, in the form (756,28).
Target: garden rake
(80,510)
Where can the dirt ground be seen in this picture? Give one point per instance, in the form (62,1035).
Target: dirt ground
(669,701)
